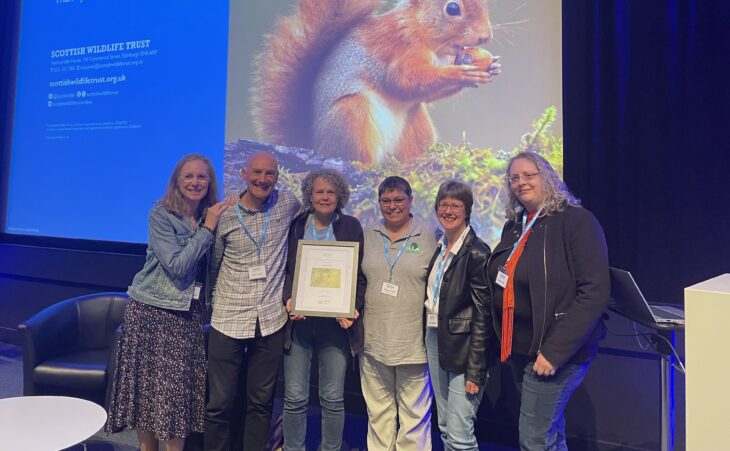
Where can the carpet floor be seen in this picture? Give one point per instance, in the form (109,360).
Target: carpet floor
(11,385)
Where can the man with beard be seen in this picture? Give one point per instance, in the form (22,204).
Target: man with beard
(247,326)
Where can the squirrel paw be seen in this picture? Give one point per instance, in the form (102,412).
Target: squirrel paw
(494,70)
(470,75)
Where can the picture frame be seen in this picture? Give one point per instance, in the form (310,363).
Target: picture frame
(325,278)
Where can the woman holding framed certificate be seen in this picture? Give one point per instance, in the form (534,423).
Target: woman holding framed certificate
(324,194)
(458,317)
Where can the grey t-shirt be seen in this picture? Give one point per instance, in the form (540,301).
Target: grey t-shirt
(394,325)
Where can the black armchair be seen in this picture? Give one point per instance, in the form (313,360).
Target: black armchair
(69,348)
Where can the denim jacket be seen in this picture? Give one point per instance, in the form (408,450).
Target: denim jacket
(174,249)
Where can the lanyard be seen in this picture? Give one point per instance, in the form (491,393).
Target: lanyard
(439,274)
(524,230)
(387,254)
(260,244)
(315,234)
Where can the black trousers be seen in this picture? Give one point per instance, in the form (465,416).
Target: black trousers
(241,381)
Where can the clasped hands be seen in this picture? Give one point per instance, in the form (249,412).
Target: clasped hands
(344,323)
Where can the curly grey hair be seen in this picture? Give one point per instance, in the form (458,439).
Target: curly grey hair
(557,197)
(335,178)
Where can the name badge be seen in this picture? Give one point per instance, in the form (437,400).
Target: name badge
(257,272)
(389,289)
(196,291)
(432,320)
(502,277)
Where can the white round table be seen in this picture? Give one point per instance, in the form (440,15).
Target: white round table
(46,423)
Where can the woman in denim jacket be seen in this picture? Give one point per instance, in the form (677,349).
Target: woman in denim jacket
(159,385)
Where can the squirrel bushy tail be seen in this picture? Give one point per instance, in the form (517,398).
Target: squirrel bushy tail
(287,67)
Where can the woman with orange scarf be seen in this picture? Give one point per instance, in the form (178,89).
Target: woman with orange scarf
(550,285)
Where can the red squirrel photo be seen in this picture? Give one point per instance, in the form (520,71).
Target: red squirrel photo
(343,79)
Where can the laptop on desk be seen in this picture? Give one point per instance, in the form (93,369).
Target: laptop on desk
(631,302)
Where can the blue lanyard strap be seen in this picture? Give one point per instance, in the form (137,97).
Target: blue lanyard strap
(260,243)
(439,274)
(315,233)
(387,254)
(524,230)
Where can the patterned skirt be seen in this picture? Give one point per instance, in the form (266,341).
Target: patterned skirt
(159,384)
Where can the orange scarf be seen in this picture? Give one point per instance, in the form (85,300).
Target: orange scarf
(508,297)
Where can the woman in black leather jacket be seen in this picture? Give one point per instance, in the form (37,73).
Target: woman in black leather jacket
(458,332)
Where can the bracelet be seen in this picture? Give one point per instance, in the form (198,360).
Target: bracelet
(206,228)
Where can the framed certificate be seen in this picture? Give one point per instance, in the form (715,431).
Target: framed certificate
(325,278)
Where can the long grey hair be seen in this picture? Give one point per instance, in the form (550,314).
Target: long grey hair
(557,197)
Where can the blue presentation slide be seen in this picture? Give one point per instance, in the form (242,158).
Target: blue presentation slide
(110,94)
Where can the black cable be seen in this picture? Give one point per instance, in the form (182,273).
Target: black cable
(677,361)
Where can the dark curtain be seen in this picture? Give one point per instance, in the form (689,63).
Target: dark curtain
(647,134)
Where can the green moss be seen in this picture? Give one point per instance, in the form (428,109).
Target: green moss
(482,168)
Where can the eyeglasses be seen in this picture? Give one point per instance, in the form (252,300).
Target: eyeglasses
(190,177)
(456,208)
(398,202)
(527,176)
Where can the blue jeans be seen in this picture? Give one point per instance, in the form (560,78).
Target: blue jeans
(332,345)
(542,408)
(456,409)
